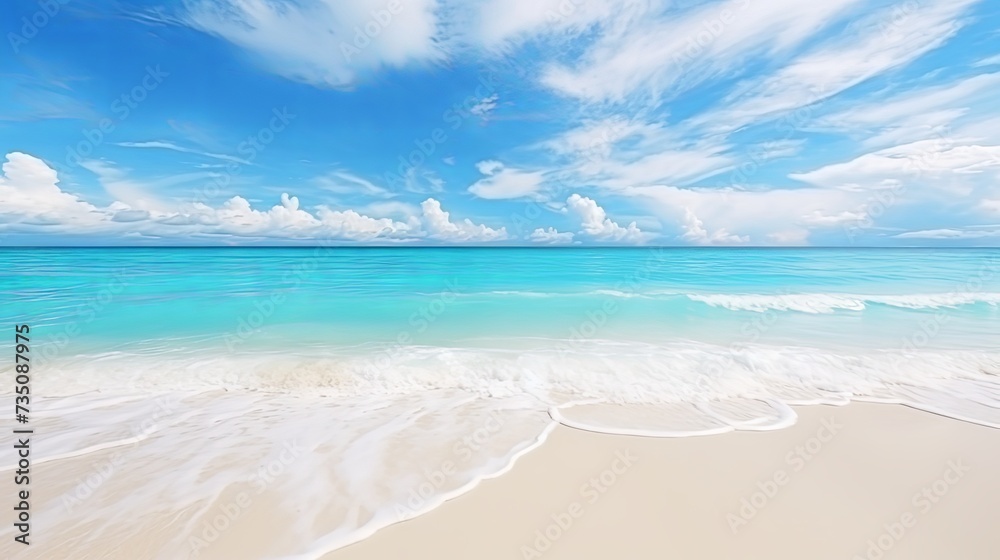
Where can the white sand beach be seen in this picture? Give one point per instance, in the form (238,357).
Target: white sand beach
(888,482)
(866,481)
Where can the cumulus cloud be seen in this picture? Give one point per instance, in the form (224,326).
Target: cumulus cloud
(30,198)
(29,188)
(352,225)
(695,232)
(237,216)
(551,236)
(441,227)
(758,214)
(594,222)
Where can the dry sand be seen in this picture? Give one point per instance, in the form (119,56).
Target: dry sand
(860,481)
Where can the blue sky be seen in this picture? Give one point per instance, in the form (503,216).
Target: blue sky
(525,122)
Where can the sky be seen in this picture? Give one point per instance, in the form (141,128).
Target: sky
(500,122)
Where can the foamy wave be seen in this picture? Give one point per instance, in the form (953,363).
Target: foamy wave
(802,302)
(387,437)
(829,303)
(613,371)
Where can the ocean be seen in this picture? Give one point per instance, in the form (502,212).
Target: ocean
(355,373)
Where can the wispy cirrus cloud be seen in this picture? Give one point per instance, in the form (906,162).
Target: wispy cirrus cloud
(328,43)
(162,145)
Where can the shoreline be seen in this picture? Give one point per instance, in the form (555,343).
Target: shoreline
(831,485)
(857,481)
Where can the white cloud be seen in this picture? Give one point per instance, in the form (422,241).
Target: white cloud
(595,139)
(819,219)
(789,237)
(119,187)
(759,214)
(663,166)
(989,61)
(343,182)
(774,149)
(502,182)
(989,205)
(182,149)
(642,48)
(932,165)
(485,106)
(422,181)
(324,42)
(915,103)
(352,225)
(885,40)
(286,219)
(551,236)
(594,222)
(918,114)
(390,208)
(30,198)
(489,166)
(496,23)
(949,234)
(441,227)
(695,232)
(29,189)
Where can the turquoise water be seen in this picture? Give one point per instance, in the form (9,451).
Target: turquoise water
(237,299)
(627,325)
